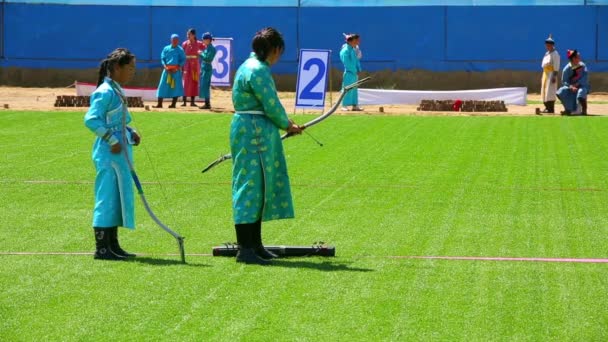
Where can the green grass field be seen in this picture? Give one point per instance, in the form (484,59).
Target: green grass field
(381,187)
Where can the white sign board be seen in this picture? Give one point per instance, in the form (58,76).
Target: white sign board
(222,62)
(312,78)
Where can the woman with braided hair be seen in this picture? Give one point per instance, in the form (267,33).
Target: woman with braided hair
(114,196)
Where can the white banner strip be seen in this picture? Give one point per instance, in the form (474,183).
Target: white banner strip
(147,94)
(511,96)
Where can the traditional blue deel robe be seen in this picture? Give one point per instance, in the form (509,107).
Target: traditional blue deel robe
(207,57)
(170,84)
(352,66)
(577,76)
(260,184)
(114,195)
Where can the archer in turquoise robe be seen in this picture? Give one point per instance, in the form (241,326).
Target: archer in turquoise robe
(352,66)
(577,76)
(170,84)
(207,57)
(114,195)
(260,183)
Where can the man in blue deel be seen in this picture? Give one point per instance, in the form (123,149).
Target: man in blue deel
(575,86)
(173,58)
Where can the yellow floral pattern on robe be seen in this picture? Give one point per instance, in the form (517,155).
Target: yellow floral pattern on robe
(260,183)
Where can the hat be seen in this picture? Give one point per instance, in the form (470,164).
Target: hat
(550,40)
(173,36)
(207,35)
(572,53)
(350,36)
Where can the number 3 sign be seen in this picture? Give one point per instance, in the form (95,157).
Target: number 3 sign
(222,62)
(312,78)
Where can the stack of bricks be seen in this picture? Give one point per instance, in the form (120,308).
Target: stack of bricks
(83,101)
(484,106)
(436,105)
(466,106)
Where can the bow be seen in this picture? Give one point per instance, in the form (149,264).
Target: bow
(310,123)
(140,189)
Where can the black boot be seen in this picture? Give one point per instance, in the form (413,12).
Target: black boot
(546,110)
(551,107)
(583,103)
(103,249)
(258,246)
(173,102)
(207,105)
(246,253)
(184,104)
(159,104)
(192,104)
(115,246)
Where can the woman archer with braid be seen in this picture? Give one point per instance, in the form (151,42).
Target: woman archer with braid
(114,195)
(260,184)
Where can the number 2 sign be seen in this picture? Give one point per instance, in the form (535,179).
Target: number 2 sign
(222,62)
(312,78)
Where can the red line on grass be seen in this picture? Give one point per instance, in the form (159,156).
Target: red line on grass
(454,258)
(91,253)
(575,260)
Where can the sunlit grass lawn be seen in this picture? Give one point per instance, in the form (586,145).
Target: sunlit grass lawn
(380,187)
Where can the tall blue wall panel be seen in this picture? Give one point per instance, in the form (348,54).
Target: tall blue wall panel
(602,33)
(389,35)
(1,29)
(74,32)
(517,33)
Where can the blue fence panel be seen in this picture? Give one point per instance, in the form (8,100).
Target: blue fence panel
(317,3)
(419,35)
(186,3)
(1,29)
(517,33)
(402,3)
(602,33)
(72,33)
(168,20)
(474,38)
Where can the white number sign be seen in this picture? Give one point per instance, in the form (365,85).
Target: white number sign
(222,62)
(312,78)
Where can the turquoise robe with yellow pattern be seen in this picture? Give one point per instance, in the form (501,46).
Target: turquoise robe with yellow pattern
(260,184)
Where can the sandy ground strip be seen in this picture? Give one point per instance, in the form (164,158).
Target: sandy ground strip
(43,99)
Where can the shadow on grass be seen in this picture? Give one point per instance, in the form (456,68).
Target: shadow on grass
(325,266)
(163,262)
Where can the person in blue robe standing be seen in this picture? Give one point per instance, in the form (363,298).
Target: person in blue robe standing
(173,58)
(207,57)
(114,195)
(352,66)
(260,184)
(575,85)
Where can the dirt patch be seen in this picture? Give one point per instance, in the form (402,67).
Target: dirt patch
(43,99)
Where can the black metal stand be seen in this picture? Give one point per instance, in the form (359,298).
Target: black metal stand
(316,249)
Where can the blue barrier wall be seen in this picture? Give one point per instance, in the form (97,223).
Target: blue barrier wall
(434,37)
(1,29)
(602,33)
